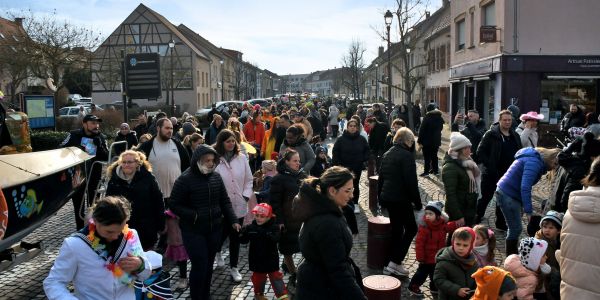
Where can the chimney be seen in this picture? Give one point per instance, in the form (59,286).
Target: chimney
(380,52)
(427,14)
(19,21)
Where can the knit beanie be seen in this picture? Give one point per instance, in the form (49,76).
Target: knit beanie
(188,128)
(430,107)
(531,251)
(458,141)
(492,282)
(555,217)
(435,206)
(470,231)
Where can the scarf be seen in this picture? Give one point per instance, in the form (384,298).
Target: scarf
(228,156)
(465,262)
(122,175)
(472,170)
(481,250)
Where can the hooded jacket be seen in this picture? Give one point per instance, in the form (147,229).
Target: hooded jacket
(350,151)
(580,240)
(522,175)
(450,275)
(377,137)
(238,182)
(325,243)
(398,181)
(200,200)
(431,237)
(263,256)
(489,150)
(307,155)
(430,133)
(460,203)
(527,280)
(254,132)
(213,131)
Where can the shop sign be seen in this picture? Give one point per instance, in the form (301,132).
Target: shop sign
(478,68)
(487,34)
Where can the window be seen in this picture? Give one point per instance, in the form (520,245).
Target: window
(472,28)
(488,14)
(442,55)
(460,35)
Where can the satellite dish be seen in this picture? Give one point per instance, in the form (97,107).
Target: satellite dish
(50,84)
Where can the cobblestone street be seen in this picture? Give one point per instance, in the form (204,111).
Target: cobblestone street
(25,280)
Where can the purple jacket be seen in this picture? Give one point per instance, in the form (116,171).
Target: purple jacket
(522,175)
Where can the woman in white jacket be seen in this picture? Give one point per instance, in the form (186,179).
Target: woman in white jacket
(580,240)
(101,260)
(237,177)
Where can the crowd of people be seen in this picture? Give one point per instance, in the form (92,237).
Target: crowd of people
(263,176)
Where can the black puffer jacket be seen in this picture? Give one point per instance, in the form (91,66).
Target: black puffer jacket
(574,170)
(147,206)
(284,187)
(398,181)
(474,132)
(430,133)
(325,243)
(200,200)
(262,256)
(489,150)
(377,137)
(350,151)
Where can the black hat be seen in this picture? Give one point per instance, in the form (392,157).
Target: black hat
(91,118)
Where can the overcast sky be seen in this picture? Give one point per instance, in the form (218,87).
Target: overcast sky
(284,36)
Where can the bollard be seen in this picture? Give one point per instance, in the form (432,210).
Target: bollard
(382,287)
(379,242)
(371,166)
(373,181)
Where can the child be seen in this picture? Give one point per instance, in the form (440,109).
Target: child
(322,162)
(527,266)
(175,249)
(433,228)
(263,255)
(455,265)
(494,283)
(485,245)
(268,171)
(551,225)
(157,286)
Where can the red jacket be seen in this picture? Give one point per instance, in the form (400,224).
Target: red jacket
(432,237)
(254,132)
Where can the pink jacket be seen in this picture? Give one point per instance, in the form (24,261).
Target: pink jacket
(527,280)
(237,178)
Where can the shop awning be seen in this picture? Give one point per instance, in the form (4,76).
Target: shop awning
(573,76)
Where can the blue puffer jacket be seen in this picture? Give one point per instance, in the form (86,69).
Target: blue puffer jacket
(523,174)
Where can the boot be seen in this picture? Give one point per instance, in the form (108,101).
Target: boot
(500,221)
(512,247)
(260,297)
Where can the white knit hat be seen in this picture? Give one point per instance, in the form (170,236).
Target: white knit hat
(458,141)
(531,251)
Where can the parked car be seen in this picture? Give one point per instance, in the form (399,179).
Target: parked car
(71,111)
(85,101)
(263,102)
(202,114)
(118,105)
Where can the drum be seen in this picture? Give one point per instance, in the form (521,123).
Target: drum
(382,287)
(379,242)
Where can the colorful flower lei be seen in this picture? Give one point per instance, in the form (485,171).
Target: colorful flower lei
(100,248)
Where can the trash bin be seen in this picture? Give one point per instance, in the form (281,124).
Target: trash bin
(373,181)
(379,242)
(382,287)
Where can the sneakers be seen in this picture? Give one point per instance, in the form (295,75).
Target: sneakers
(394,269)
(220,260)
(356,209)
(424,174)
(182,283)
(415,290)
(235,275)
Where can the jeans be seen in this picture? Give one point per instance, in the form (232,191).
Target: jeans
(404,229)
(234,243)
(511,208)
(431,159)
(488,187)
(201,249)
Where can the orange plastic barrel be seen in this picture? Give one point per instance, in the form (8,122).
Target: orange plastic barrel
(373,181)
(382,287)
(379,242)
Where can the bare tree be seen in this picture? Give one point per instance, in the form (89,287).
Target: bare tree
(14,60)
(354,63)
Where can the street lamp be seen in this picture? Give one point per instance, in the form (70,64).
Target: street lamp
(389,17)
(271,79)
(259,85)
(376,82)
(171,47)
(222,81)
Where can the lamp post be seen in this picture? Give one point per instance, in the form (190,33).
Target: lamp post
(388,22)
(271,79)
(222,81)
(376,82)
(259,86)
(171,46)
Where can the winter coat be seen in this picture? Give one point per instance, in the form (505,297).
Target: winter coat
(184,158)
(263,256)
(78,263)
(572,120)
(200,200)
(380,116)
(325,243)
(333,115)
(527,280)
(580,240)
(350,151)
(552,280)
(377,137)
(430,133)
(147,206)
(574,170)
(319,167)
(131,139)
(308,130)
(254,132)
(489,150)
(268,145)
(284,187)
(238,182)
(398,181)
(460,203)
(431,237)
(212,132)
(450,275)
(307,155)
(99,140)
(523,174)
(529,136)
